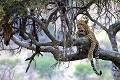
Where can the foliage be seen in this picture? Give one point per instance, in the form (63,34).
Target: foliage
(84,70)
(7,68)
(1,12)
(106,69)
(43,66)
(19,76)
(11,8)
(12,62)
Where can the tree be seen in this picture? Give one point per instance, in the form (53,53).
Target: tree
(22,21)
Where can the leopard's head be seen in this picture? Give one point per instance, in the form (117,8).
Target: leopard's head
(82,25)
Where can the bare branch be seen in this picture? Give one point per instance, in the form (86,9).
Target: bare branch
(42,26)
(50,15)
(95,21)
(58,55)
(115,27)
(21,43)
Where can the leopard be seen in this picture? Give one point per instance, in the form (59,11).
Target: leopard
(84,30)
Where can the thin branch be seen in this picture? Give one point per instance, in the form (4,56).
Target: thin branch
(95,21)
(84,7)
(42,26)
(31,59)
(115,27)
(50,15)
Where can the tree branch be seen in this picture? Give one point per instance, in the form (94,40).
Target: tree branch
(58,54)
(95,21)
(115,27)
(50,15)
(21,43)
(42,26)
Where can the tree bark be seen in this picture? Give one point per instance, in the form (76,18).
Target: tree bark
(58,54)
(112,37)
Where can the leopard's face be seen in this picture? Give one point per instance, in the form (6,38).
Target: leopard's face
(81,25)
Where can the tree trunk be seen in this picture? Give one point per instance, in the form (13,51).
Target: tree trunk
(115,69)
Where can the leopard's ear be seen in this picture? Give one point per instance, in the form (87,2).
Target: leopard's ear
(86,21)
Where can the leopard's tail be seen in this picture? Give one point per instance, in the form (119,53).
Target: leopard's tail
(93,66)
